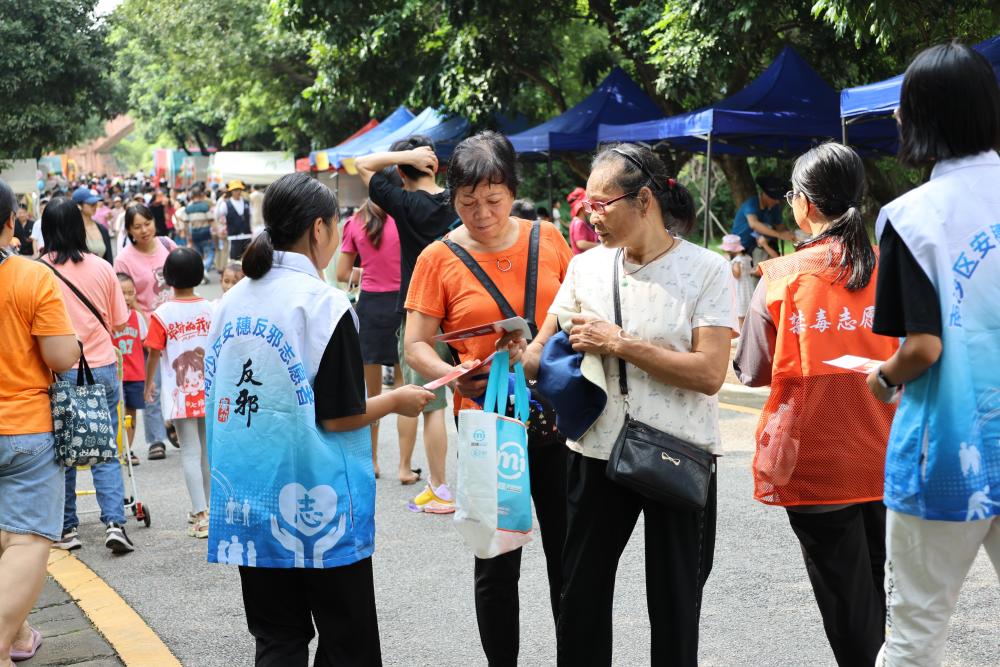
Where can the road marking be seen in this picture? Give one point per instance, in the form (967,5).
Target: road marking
(739,408)
(134,641)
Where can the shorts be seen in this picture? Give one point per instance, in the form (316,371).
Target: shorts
(133,391)
(32,486)
(410,376)
(379,321)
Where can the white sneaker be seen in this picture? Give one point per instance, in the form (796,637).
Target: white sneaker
(70,541)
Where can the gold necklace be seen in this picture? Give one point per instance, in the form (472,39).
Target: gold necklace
(626,273)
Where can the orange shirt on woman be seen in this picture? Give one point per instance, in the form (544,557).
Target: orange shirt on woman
(32,305)
(442,286)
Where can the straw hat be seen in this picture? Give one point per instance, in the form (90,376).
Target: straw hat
(235,185)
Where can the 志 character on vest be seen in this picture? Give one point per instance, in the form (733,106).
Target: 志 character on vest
(939,288)
(293,488)
(822,436)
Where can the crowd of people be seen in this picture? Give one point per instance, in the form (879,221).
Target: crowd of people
(890,477)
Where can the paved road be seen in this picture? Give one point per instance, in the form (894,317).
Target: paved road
(758,606)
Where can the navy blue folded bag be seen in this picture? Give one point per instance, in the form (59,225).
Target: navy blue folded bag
(574,383)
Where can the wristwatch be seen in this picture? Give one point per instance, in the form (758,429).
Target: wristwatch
(883,380)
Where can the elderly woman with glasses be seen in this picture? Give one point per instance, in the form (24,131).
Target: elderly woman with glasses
(677,318)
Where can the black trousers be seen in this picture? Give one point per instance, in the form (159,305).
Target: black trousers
(281,606)
(679,549)
(237,248)
(497,606)
(844,553)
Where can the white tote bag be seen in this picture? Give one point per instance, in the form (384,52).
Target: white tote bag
(493,502)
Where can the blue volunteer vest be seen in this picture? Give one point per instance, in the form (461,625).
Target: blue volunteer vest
(285,493)
(943,459)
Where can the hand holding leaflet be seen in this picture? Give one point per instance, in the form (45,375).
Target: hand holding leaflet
(499,327)
(857,364)
(456,373)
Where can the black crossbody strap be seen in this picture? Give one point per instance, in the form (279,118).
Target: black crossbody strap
(531,278)
(505,308)
(622,377)
(79,295)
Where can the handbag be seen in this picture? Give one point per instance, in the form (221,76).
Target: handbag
(655,464)
(542,428)
(81,423)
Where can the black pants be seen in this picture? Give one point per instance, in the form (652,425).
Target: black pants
(237,248)
(497,606)
(281,606)
(679,550)
(845,557)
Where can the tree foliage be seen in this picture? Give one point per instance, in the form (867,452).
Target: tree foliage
(54,76)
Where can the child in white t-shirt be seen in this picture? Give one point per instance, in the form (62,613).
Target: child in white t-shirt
(177,339)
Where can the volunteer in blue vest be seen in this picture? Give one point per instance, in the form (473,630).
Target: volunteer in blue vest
(826,469)
(445,296)
(678,316)
(939,288)
(293,488)
(234,211)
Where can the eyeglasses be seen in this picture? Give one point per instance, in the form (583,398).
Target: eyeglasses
(790,196)
(601,207)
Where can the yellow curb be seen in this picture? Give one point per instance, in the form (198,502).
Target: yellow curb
(134,641)
(739,408)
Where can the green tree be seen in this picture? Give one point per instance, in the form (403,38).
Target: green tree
(54,76)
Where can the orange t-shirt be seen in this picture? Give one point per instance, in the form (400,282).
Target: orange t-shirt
(32,305)
(442,286)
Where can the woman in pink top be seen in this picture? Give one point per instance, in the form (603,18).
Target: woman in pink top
(371,235)
(142,260)
(582,236)
(89,284)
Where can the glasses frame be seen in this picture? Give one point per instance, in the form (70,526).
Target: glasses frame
(790,196)
(601,207)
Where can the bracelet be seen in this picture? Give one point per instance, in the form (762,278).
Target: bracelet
(622,336)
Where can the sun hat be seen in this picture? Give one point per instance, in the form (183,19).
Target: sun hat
(731,243)
(574,208)
(573,382)
(576,194)
(235,185)
(83,195)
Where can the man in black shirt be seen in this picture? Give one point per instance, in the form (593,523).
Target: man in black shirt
(423,213)
(23,225)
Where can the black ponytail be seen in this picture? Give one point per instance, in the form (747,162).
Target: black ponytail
(8,202)
(639,167)
(291,205)
(832,177)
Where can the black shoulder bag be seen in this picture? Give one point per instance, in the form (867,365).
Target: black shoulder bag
(542,417)
(652,463)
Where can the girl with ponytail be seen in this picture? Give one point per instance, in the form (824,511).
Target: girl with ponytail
(822,437)
(288,426)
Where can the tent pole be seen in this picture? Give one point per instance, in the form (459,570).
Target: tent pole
(707,197)
(336,186)
(551,201)
(843,130)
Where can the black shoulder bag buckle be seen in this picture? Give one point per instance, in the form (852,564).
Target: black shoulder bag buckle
(542,416)
(650,462)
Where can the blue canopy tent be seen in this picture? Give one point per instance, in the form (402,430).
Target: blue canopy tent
(401,116)
(616,100)
(445,133)
(786,110)
(875,101)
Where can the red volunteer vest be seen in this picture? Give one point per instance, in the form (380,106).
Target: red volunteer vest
(822,435)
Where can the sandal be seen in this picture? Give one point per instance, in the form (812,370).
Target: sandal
(172,435)
(157,451)
(36,641)
(408,482)
(135,459)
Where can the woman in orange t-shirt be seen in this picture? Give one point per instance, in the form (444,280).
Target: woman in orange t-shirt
(445,296)
(37,339)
